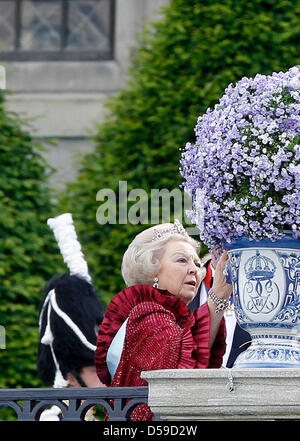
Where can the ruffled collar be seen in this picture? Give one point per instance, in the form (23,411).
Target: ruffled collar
(119,309)
(121,305)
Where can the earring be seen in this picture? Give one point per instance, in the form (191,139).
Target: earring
(155,284)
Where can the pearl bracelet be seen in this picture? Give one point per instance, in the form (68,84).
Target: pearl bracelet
(221,304)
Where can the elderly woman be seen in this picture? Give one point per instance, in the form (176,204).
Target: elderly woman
(148,325)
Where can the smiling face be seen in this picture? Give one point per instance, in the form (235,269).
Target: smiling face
(180,272)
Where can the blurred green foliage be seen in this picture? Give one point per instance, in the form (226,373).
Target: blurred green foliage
(184,63)
(28,251)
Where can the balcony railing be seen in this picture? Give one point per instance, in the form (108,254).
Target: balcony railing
(119,402)
(254,394)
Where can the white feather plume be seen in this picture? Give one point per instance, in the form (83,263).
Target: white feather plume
(66,237)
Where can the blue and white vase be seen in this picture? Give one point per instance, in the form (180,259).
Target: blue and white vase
(266,290)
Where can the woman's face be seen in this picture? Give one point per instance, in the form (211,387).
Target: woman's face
(180,272)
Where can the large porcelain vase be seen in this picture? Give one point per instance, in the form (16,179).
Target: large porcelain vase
(266,289)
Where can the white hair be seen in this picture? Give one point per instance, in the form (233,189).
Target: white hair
(141,260)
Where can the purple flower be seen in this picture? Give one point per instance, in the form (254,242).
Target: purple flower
(243,171)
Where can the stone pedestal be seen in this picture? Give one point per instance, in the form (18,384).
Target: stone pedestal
(224,394)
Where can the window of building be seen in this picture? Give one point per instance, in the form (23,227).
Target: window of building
(65,30)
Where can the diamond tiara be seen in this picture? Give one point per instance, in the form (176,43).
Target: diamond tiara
(176,228)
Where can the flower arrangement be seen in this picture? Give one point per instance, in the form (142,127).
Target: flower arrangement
(243,171)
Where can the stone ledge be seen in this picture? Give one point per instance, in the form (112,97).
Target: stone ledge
(63,76)
(224,394)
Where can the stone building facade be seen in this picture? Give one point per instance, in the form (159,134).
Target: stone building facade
(63,95)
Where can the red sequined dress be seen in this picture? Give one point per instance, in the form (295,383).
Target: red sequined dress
(161,333)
